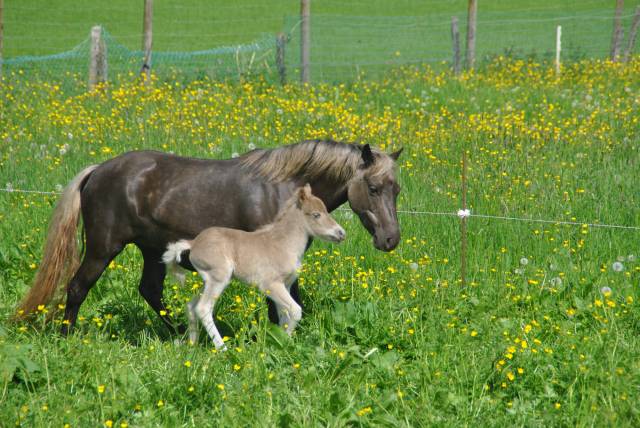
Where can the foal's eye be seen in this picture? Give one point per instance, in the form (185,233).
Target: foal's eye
(373,190)
(316,215)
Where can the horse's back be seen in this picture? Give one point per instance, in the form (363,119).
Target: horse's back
(146,195)
(152,198)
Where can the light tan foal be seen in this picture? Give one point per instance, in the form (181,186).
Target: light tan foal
(268,258)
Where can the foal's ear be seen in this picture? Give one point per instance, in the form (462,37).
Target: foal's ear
(395,155)
(304,192)
(367,156)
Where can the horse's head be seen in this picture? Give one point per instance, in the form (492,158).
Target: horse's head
(318,221)
(372,196)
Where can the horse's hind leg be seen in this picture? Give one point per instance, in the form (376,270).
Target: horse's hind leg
(152,284)
(92,266)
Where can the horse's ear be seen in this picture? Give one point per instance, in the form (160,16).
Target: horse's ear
(367,156)
(395,155)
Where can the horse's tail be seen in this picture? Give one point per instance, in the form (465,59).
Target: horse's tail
(61,257)
(173,256)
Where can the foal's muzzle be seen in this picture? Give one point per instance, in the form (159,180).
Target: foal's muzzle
(339,234)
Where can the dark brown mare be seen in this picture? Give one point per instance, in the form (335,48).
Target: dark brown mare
(151,199)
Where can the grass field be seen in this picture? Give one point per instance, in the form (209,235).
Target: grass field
(544,333)
(36,27)
(348,38)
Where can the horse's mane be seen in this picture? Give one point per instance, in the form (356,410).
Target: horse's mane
(309,159)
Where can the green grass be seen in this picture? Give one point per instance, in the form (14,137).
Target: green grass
(387,339)
(347,38)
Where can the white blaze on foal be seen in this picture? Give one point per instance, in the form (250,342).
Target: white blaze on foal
(268,258)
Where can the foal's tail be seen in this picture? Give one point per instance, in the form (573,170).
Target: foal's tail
(61,257)
(173,256)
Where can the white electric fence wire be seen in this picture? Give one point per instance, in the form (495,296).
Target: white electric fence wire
(39,192)
(460,213)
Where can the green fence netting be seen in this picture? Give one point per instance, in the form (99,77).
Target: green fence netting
(257,57)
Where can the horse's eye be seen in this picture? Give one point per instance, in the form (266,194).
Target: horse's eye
(373,190)
(316,215)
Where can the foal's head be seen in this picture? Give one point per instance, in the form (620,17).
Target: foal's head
(318,222)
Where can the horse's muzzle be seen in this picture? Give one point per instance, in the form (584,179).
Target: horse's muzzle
(386,242)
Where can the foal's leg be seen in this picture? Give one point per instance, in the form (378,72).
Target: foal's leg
(289,311)
(294,291)
(275,315)
(152,284)
(214,285)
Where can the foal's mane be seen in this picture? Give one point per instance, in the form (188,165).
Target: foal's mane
(284,210)
(310,159)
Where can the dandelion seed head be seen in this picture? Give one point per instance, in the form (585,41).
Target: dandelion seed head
(413,266)
(617,267)
(519,271)
(234,155)
(524,261)
(606,291)
(631,258)
(251,146)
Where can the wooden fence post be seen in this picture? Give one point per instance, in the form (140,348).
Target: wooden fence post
(147,39)
(455,38)
(98,58)
(1,35)
(632,35)
(281,41)
(618,32)
(471,33)
(305,40)
(558,48)
(463,222)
